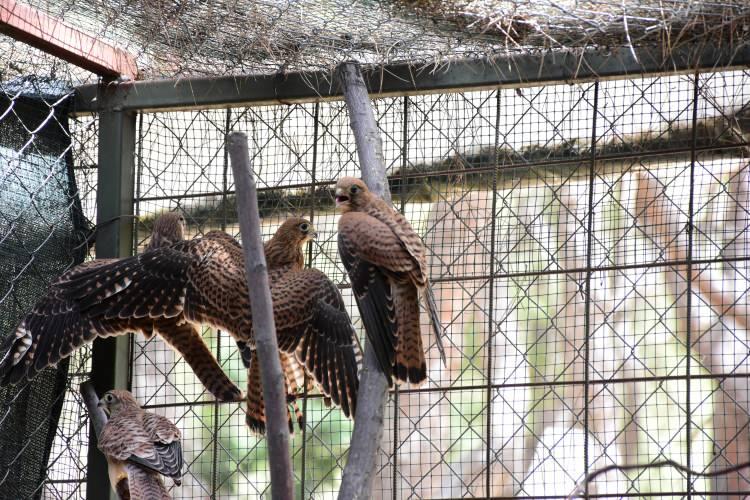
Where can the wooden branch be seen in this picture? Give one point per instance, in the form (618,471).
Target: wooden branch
(96,414)
(373,385)
(39,30)
(271,376)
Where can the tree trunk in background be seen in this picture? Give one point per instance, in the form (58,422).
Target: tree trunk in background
(513,438)
(624,301)
(720,349)
(605,354)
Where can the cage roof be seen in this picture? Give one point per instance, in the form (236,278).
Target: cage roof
(183,38)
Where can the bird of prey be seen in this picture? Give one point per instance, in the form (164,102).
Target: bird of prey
(79,308)
(139,446)
(313,329)
(176,288)
(385,260)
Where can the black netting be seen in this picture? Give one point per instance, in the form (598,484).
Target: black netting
(41,234)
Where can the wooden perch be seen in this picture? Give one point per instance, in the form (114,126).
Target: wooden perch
(654,211)
(51,35)
(271,376)
(373,385)
(96,414)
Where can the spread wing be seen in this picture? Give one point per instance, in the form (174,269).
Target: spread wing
(312,322)
(196,280)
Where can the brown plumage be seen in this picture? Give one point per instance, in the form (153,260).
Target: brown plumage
(168,228)
(172,290)
(313,329)
(139,447)
(385,260)
(79,307)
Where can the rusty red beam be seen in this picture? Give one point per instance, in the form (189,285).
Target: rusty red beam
(51,35)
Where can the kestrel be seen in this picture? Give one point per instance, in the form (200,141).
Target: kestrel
(84,304)
(139,446)
(173,289)
(313,329)
(385,260)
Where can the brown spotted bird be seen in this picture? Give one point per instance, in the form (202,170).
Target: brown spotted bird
(385,260)
(140,447)
(172,290)
(108,297)
(314,331)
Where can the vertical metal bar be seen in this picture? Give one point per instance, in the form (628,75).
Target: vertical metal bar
(313,187)
(223,223)
(689,304)
(491,303)
(114,198)
(587,305)
(404,163)
(225,173)
(137,211)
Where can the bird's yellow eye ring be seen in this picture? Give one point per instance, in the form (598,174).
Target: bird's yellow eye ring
(304,227)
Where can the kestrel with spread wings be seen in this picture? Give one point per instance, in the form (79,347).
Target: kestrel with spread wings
(139,447)
(70,315)
(173,289)
(385,260)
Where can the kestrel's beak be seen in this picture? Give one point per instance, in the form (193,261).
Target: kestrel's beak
(341,197)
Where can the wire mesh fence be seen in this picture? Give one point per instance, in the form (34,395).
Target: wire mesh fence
(587,245)
(43,231)
(588,248)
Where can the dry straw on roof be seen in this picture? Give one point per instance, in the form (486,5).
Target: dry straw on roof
(192,38)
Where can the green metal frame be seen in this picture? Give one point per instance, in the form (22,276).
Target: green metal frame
(110,363)
(118,104)
(503,71)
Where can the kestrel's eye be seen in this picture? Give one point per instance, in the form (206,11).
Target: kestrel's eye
(108,398)
(353,189)
(182,219)
(304,227)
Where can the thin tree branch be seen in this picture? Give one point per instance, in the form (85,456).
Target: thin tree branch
(580,487)
(373,386)
(96,414)
(271,376)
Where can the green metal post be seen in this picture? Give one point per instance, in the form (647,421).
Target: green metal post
(114,198)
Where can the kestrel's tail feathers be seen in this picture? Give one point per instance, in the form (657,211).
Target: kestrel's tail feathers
(145,484)
(437,327)
(255,416)
(186,340)
(409,365)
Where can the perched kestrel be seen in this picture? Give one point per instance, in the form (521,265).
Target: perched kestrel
(171,290)
(139,446)
(95,299)
(313,329)
(385,260)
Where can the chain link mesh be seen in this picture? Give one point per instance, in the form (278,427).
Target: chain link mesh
(569,310)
